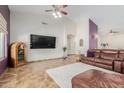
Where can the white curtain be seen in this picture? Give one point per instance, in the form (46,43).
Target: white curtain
(3,32)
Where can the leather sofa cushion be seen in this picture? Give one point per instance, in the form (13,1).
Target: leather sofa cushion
(104,66)
(121,54)
(89,62)
(121,51)
(97,54)
(118,66)
(122,67)
(119,59)
(104,61)
(109,51)
(110,55)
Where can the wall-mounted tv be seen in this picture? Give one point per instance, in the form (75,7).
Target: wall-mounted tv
(39,41)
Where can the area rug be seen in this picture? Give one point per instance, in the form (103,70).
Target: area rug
(63,75)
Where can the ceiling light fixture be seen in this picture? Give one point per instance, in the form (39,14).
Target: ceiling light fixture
(54,14)
(57,14)
(60,16)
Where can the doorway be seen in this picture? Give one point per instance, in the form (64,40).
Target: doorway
(70,44)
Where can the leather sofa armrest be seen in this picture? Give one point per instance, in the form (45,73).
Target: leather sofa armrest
(118,59)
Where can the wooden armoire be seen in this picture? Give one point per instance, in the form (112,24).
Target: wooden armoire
(18,54)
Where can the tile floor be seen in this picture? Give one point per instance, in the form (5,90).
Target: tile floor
(33,75)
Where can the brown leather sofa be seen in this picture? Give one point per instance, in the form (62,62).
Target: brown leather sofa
(105,58)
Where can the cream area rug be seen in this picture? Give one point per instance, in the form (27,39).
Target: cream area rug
(63,75)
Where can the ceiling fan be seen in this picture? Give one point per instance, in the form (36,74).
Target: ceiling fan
(58,10)
(113,32)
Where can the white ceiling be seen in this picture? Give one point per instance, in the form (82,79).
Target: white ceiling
(105,16)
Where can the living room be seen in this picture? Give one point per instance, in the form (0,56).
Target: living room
(58,37)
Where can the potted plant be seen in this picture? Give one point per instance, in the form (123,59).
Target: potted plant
(64,50)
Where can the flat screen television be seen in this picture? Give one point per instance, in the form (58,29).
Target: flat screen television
(39,41)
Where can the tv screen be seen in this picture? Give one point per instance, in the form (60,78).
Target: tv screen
(39,41)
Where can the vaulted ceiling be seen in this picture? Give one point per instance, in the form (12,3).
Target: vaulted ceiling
(105,16)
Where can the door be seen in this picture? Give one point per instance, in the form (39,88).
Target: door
(70,44)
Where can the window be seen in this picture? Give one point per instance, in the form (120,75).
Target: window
(3,38)
(1,45)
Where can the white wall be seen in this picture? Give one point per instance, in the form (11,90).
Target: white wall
(82,33)
(115,41)
(71,48)
(70,30)
(22,25)
(79,29)
(71,26)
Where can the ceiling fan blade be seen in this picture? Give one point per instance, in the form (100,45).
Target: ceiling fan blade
(48,10)
(64,6)
(63,12)
(115,32)
(54,6)
(111,31)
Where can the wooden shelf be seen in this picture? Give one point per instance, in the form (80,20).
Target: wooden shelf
(18,54)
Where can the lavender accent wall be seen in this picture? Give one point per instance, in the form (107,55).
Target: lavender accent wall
(93,29)
(4,10)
